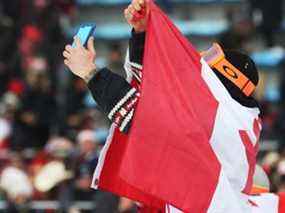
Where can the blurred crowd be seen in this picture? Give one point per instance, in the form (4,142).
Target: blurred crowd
(51,131)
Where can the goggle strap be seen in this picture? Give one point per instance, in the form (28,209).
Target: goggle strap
(248,88)
(215,57)
(235,76)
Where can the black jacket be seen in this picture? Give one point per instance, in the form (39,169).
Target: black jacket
(115,96)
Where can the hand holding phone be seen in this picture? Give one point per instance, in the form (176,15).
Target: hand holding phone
(80,56)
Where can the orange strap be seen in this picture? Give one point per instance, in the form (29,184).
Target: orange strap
(215,57)
(235,76)
(258,190)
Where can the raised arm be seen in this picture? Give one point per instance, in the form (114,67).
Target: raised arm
(136,47)
(115,96)
(136,16)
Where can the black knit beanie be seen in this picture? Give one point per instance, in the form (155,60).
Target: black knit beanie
(246,65)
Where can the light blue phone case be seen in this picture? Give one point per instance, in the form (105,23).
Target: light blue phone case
(84,33)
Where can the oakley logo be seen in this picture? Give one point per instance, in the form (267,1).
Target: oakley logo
(230,72)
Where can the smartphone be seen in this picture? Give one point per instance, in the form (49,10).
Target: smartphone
(84,33)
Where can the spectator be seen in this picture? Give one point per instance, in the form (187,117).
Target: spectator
(34,119)
(86,161)
(20,193)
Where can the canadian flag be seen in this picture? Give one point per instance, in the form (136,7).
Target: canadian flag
(190,145)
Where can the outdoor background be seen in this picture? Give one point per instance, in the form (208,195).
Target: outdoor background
(51,131)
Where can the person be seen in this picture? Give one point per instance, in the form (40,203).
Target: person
(18,195)
(118,98)
(34,117)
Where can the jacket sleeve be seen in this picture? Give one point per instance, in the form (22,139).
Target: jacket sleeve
(136,47)
(115,96)
(134,62)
